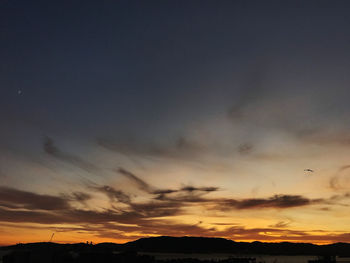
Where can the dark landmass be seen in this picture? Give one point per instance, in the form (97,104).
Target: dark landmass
(166,244)
(220,245)
(132,251)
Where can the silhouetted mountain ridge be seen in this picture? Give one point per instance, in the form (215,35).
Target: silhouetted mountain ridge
(186,244)
(181,244)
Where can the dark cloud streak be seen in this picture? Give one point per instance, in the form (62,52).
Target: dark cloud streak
(276,201)
(139,182)
(182,148)
(113,194)
(51,149)
(13,198)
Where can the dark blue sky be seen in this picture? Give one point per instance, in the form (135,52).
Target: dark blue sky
(130,64)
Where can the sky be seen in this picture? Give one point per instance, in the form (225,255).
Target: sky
(129,119)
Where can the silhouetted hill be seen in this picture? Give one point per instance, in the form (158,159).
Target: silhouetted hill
(44,246)
(220,245)
(181,244)
(166,244)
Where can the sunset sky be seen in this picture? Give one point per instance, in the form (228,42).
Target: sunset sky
(129,119)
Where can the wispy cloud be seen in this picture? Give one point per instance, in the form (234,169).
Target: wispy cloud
(139,182)
(185,193)
(280,224)
(181,148)
(51,149)
(245,148)
(334,181)
(113,194)
(276,201)
(13,198)
(145,218)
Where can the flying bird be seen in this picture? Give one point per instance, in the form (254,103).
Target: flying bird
(309,170)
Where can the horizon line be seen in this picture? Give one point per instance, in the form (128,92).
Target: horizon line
(93,243)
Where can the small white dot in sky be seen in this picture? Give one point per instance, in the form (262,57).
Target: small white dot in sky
(19,92)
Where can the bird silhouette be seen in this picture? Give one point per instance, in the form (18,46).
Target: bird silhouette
(309,170)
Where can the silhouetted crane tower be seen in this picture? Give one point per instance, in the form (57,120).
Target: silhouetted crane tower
(51,237)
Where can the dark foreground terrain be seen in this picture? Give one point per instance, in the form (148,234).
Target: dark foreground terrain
(135,251)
